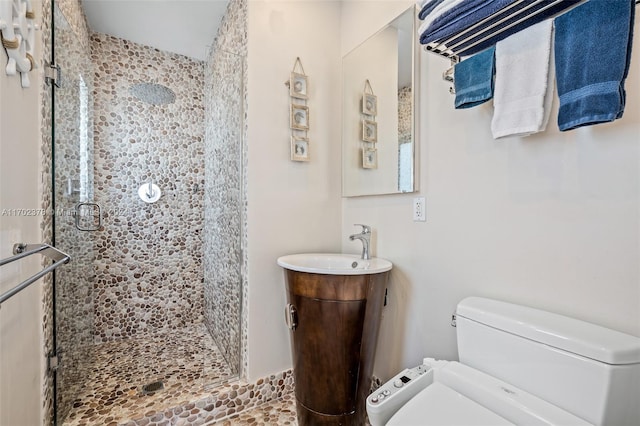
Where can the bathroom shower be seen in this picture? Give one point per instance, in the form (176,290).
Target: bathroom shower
(150,311)
(153,94)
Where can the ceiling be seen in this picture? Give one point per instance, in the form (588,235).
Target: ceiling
(187,27)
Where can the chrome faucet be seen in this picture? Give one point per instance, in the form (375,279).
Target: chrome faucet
(365,237)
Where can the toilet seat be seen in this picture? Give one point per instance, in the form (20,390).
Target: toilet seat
(440,405)
(461,395)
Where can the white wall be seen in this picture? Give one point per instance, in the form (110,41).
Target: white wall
(21,360)
(292,206)
(551,221)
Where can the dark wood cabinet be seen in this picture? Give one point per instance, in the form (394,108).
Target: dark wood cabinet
(335,321)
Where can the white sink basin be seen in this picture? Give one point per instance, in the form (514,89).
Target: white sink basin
(334,264)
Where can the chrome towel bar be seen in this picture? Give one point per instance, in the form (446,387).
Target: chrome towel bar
(21,250)
(454,46)
(488,28)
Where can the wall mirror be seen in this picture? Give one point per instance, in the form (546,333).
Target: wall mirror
(378,111)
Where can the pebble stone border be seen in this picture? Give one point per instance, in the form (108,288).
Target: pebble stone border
(226,401)
(281,412)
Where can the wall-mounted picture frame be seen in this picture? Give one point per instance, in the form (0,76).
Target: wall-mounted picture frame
(298,84)
(369,158)
(369,104)
(299,117)
(299,149)
(369,131)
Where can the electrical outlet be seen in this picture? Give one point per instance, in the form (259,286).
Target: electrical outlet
(419,209)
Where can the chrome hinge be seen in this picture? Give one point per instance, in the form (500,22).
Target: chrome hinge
(453,320)
(53,362)
(52,74)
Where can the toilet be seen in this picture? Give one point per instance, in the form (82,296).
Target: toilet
(522,366)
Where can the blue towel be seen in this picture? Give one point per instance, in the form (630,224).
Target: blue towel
(473,12)
(473,79)
(461,17)
(593,52)
(510,25)
(428,8)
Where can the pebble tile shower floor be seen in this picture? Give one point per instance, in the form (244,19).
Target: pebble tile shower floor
(187,363)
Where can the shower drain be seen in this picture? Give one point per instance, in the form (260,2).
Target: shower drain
(152,387)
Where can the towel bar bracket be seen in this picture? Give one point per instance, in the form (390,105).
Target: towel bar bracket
(448,74)
(21,250)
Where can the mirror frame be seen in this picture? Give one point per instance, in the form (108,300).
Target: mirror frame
(415,84)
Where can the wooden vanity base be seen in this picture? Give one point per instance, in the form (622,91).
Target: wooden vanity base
(337,321)
(309,417)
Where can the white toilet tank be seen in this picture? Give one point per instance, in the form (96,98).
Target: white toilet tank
(590,371)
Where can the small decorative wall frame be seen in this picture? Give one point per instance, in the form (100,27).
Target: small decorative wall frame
(368,111)
(299,112)
(369,158)
(17,32)
(369,104)
(369,131)
(369,100)
(299,149)
(299,117)
(298,86)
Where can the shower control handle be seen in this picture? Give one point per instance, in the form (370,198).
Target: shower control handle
(150,192)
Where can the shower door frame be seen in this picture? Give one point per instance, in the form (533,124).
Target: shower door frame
(68,202)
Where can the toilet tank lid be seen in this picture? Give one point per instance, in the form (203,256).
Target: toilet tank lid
(569,334)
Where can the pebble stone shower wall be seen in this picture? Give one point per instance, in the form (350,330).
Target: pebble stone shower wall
(148,256)
(225,212)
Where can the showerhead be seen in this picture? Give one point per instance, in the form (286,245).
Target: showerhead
(153,93)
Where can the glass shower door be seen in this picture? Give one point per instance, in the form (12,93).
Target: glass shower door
(74,214)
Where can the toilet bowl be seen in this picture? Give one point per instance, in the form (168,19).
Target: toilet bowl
(520,366)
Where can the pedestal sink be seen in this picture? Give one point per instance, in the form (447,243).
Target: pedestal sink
(334,309)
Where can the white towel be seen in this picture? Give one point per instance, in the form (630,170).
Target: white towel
(524,82)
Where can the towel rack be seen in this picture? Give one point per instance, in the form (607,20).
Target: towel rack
(457,44)
(21,250)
